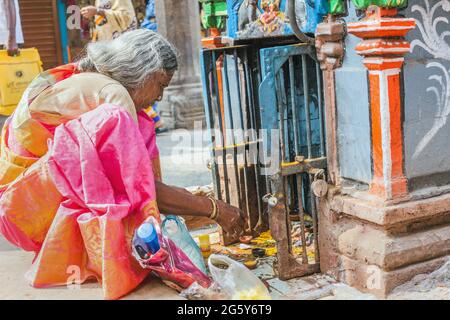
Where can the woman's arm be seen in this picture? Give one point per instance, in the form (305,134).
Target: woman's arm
(179,201)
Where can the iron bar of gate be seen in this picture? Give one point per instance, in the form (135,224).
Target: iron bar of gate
(214,164)
(307,111)
(241,116)
(254,134)
(230,112)
(281,110)
(284,136)
(315,229)
(320,106)
(221,129)
(294,115)
(298,177)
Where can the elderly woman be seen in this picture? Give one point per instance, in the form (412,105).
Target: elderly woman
(79,167)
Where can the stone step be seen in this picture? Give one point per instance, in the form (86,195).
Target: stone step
(375,247)
(374,280)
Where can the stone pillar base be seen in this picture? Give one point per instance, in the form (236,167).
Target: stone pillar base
(375,247)
(182,106)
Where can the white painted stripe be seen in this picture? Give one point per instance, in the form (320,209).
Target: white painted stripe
(385,125)
(376,42)
(376,28)
(387,72)
(385,132)
(390,20)
(400,50)
(378,60)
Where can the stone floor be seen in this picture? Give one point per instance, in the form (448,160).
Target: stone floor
(14,264)
(184,155)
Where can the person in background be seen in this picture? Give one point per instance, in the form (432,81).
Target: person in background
(112,18)
(150,23)
(150,17)
(10,26)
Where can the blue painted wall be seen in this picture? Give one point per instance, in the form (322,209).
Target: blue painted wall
(353,125)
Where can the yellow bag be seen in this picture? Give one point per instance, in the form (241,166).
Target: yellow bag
(16,73)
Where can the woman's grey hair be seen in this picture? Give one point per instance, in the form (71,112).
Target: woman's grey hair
(132,58)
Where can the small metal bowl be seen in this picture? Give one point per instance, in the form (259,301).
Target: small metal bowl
(258,252)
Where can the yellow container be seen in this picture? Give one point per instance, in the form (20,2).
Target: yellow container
(16,73)
(205,245)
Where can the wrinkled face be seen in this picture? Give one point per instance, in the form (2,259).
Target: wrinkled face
(152,90)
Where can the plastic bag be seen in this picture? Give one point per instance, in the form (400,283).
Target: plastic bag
(169,262)
(238,282)
(175,229)
(197,292)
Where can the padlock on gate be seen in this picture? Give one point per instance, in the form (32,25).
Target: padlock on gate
(270,199)
(319,186)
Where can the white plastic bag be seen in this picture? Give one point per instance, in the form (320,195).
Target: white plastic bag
(236,280)
(197,292)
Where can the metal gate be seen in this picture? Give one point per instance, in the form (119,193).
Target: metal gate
(265,113)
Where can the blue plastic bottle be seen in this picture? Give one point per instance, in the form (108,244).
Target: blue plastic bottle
(147,233)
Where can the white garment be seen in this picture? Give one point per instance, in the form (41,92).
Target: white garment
(3,27)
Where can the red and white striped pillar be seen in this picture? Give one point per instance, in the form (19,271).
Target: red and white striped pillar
(383,48)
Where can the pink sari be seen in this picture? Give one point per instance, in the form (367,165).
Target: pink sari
(79,204)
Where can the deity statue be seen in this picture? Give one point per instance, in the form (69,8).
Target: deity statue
(269,17)
(248,12)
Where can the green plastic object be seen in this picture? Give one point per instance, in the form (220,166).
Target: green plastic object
(214,13)
(338,7)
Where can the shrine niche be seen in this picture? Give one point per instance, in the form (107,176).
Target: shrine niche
(248,19)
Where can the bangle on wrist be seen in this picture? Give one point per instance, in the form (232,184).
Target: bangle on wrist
(215,209)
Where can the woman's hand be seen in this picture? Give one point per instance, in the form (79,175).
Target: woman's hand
(179,201)
(231,219)
(89,11)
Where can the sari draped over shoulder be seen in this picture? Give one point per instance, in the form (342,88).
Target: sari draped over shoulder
(74,190)
(28,197)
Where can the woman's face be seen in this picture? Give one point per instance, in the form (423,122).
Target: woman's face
(152,91)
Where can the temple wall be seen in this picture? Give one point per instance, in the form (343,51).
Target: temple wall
(426,101)
(352,100)
(427,77)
